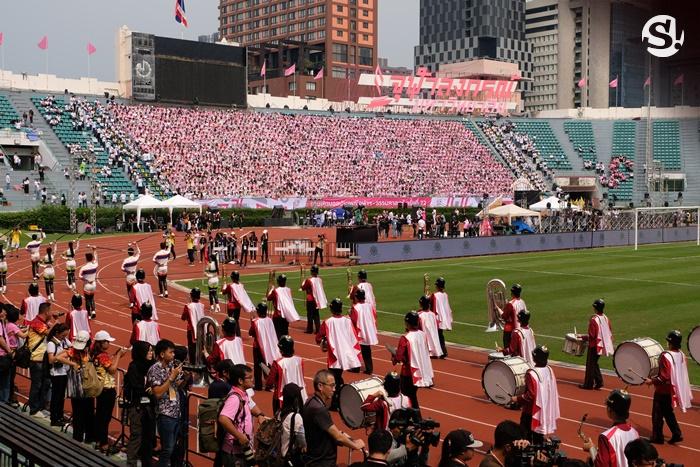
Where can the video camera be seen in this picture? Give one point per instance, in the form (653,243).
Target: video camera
(660,462)
(528,456)
(410,423)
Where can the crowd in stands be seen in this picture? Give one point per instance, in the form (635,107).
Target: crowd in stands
(621,169)
(519,152)
(212,153)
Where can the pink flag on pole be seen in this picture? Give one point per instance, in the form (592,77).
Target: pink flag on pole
(319,75)
(515,77)
(291,70)
(2,37)
(679,80)
(44,43)
(582,82)
(263,70)
(613,83)
(647,82)
(91,49)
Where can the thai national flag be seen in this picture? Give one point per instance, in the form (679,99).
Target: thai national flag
(180,12)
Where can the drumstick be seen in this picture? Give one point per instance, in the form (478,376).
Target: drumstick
(496,344)
(580,427)
(632,371)
(501,388)
(575,333)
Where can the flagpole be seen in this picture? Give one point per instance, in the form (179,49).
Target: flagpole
(295,82)
(682,90)
(47,68)
(89,86)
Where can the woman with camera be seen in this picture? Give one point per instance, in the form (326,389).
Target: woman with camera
(140,406)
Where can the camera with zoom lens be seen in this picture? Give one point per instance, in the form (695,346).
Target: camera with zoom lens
(410,423)
(660,462)
(528,456)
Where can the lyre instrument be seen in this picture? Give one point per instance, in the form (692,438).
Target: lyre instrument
(496,302)
(350,284)
(426,284)
(302,275)
(208,332)
(270,286)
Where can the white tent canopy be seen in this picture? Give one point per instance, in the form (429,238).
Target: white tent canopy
(555,204)
(510,211)
(143,202)
(180,202)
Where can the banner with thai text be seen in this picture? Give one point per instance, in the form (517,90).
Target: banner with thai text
(340,201)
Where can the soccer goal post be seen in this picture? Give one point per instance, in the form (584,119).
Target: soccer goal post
(662,217)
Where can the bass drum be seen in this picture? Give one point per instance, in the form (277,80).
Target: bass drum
(504,378)
(637,359)
(694,343)
(353,395)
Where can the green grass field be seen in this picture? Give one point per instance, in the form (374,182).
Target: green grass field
(647,292)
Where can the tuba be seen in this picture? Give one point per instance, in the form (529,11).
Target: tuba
(207,334)
(496,301)
(270,286)
(426,284)
(350,284)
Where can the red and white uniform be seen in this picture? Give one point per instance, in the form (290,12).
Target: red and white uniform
(600,335)
(129,266)
(383,407)
(286,370)
(314,288)
(142,293)
(364,318)
(611,445)
(88,273)
(161,259)
(369,293)
(238,297)
(413,353)
(30,307)
(541,399)
(265,339)
(192,313)
(78,320)
(522,343)
(284,304)
(673,378)
(343,343)
(227,347)
(429,322)
(440,304)
(146,330)
(510,314)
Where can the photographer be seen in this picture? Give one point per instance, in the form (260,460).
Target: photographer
(458,448)
(411,445)
(509,441)
(641,453)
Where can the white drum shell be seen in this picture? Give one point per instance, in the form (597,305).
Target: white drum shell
(637,359)
(353,395)
(694,343)
(573,345)
(509,374)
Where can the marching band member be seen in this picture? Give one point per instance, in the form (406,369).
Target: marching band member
(510,313)
(142,293)
(612,442)
(49,272)
(129,266)
(71,265)
(383,406)
(228,347)
(429,323)
(671,389)
(15,239)
(161,269)
(540,401)
(339,337)
(34,247)
(30,305)
(413,355)
(285,313)
(362,284)
(265,350)
(3,271)
(287,369)
(238,298)
(212,273)
(600,342)
(88,274)
(522,341)
(192,313)
(315,300)
(440,304)
(77,319)
(145,329)
(364,319)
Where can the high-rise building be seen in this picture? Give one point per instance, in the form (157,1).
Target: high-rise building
(460,30)
(339,36)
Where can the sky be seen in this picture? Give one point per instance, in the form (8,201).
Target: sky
(71,24)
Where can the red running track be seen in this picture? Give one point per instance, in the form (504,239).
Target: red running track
(456,401)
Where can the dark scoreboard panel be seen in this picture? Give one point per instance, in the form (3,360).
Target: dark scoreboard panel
(189,72)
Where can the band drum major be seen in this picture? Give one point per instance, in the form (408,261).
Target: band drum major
(637,359)
(353,395)
(504,378)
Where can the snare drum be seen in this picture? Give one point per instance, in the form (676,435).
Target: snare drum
(497,356)
(694,343)
(637,359)
(89,287)
(502,379)
(353,395)
(573,345)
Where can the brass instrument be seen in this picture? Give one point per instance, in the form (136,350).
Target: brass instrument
(426,284)
(270,286)
(207,333)
(496,302)
(302,275)
(350,284)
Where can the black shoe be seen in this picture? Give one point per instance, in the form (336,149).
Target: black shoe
(308,332)
(656,440)
(597,387)
(368,372)
(675,439)
(443,356)
(583,386)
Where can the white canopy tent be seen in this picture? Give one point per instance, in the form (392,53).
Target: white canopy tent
(143,202)
(510,211)
(555,204)
(180,202)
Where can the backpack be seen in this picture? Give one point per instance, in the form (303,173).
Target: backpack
(211,436)
(268,444)
(92,384)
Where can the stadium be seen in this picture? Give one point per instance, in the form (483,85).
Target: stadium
(281,179)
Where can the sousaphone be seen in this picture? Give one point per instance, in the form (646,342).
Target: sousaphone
(496,302)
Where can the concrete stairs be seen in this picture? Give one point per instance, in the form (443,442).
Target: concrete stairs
(603,135)
(574,159)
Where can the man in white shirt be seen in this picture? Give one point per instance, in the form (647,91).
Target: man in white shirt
(88,274)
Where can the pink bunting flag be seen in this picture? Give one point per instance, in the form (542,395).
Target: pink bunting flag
(263,70)
(91,48)
(2,38)
(291,70)
(648,81)
(44,43)
(613,83)
(582,83)
(319,75)
(679,80)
